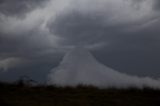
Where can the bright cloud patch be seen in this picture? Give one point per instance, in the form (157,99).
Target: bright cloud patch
(80,67)
(11,62)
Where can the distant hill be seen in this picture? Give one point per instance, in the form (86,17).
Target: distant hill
(20,94)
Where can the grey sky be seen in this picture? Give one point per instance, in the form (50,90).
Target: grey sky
(35,34)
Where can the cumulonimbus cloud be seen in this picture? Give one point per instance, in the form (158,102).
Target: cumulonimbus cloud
(42,30)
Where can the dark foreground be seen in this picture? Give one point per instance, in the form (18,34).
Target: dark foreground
(18,95)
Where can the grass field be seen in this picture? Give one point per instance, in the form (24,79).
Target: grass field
(18,95)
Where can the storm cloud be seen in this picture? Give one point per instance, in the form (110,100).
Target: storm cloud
(79,67)
(42,31)
(19,8)
(157,4)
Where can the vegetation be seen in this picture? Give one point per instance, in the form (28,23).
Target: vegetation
(19,94)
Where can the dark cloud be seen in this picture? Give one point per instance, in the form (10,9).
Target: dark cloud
(83,29)
(128,51)
(130,44)
(19,7)
(157,5)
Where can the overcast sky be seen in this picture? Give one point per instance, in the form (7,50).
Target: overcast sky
(35,35)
